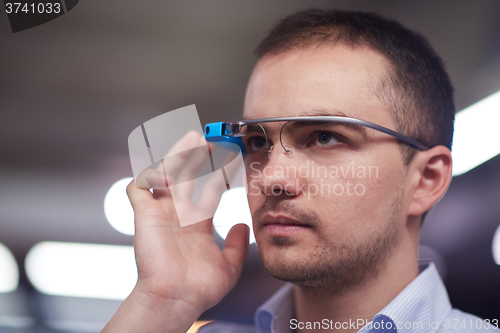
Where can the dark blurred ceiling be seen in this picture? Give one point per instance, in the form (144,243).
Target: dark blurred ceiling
(73,89)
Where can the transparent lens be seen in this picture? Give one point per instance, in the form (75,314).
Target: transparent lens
(318,141)
(314,140)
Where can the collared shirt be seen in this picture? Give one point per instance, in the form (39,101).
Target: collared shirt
(423,306)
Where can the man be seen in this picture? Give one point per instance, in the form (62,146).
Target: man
(349,250)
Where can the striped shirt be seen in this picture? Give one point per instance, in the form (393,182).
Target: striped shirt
(423,306)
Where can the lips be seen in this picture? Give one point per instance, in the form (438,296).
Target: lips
(283,226)
(283,220)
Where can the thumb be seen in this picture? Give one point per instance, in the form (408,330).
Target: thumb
(236,247)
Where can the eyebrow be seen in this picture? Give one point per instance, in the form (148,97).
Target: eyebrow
(298,124)
(320,113)
(253,128)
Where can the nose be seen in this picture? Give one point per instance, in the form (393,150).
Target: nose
(279,176)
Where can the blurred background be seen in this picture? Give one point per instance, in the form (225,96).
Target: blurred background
(72,90)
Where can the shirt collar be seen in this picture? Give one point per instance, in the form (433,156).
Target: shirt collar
(275,314)
(424,301)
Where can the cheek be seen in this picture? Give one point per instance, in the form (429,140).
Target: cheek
(358,202)
(254,203)
(375,206)
(254,195)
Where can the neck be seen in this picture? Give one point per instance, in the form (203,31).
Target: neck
(362,302)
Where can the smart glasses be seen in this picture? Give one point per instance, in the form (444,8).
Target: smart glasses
(316,136)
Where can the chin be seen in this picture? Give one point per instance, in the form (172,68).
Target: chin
(286,262)
(328,269)
(300,272)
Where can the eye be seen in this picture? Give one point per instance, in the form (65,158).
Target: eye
(326,139)
(257,143)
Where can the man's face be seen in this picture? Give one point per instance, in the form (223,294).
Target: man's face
(329,239)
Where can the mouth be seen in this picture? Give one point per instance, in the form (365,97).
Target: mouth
(283,226)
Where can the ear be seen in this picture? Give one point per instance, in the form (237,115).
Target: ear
(430,175)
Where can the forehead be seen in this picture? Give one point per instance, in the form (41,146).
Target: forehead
(336,80)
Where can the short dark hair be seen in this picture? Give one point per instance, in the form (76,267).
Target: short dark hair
(418,90)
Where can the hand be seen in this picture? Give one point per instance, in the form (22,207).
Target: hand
(183,262)
(178,267)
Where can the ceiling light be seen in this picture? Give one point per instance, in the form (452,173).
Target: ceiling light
(82,270)
(118,209)
(477,137)
(233,208)
(496,246)
(9,272)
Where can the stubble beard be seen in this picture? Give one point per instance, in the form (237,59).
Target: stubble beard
(335,269)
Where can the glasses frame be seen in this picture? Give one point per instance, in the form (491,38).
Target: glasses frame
(230,131)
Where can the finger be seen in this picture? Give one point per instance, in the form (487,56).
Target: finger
(230,160)
(216,185)
(232,169)
(138,195)
(156,180)
(176,158)
(145,204)
(212,191)
(196,166)
(236,247)
(151,178)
